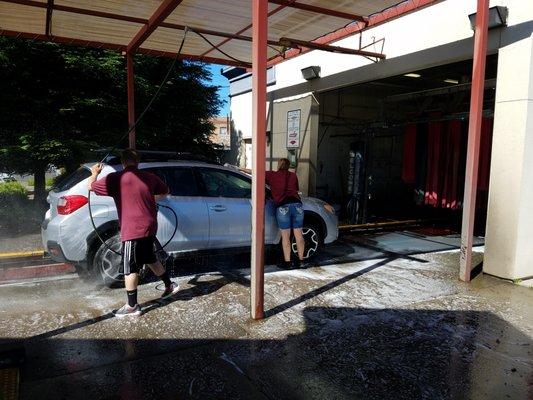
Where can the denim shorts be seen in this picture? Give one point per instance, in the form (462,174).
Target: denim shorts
(290,216)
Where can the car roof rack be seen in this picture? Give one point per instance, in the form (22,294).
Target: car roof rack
(160,156)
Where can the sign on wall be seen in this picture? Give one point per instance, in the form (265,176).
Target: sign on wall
(293,129)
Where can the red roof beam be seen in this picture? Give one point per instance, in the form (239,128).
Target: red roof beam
(163,11)
(214,33)
(49,10)
(321,10)
(77,10)
(274,11)
(117,47)
(295,43)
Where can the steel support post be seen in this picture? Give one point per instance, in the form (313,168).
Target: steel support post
(474,138)
(259,66)
(130,77)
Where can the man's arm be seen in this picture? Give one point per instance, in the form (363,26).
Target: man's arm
(95,171)
(161,190)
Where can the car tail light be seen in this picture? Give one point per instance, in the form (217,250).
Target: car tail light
(68,204)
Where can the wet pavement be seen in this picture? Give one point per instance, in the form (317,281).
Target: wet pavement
(379,320)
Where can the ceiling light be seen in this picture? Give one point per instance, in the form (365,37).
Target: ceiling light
(454,81)
(413,75)
(497,17)
(312,72)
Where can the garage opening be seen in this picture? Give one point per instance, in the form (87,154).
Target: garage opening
(395,149)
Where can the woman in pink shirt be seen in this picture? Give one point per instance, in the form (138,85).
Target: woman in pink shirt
(289,211)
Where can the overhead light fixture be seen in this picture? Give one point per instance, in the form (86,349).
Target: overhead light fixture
(413,75)
(310,73)
(497,17)
(453,81)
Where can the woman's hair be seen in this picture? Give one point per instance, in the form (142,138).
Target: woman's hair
(129,157)
(283,164)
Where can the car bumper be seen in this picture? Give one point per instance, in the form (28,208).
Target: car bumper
(332,228)
(63,246)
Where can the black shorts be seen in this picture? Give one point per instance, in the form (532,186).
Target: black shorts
(136,253)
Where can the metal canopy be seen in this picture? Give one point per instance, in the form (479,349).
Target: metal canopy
(223,28)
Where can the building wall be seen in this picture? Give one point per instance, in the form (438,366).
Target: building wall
(435,35)
(509,249)
(307,153)
(221,135)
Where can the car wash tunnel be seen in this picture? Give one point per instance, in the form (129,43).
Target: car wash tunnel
(408,126)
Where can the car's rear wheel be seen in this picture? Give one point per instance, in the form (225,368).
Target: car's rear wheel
(107,262)
(314,240)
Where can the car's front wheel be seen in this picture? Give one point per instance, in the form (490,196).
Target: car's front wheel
(107,262)
(313,238)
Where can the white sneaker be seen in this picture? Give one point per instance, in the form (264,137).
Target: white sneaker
(171,290)
(127,311)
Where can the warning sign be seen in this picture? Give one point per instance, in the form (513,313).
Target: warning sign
(293,129)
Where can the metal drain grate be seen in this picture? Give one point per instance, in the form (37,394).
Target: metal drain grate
(9,384)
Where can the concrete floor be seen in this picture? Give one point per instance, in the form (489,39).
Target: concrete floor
(385,324)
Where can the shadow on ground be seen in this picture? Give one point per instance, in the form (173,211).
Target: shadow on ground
(343,353)
(348,248)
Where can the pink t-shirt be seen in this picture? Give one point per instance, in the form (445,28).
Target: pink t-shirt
(133,191)
(283,185)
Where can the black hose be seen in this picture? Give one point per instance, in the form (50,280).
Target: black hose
(109,247)
(175,224)
(131,128)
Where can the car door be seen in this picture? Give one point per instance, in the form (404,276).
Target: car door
(272,233)
(191,210)
(227,195)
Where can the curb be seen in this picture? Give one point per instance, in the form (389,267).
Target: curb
(34,253)
(38,271)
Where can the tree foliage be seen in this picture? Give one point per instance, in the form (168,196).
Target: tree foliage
(58,102)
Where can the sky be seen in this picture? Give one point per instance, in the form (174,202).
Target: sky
(223,91)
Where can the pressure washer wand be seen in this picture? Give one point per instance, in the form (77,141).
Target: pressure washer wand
(130,129)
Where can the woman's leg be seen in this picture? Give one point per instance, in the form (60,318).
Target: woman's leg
(297,221)
(286,243)
(300,242)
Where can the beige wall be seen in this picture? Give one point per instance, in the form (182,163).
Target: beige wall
(307,153)
(509,237)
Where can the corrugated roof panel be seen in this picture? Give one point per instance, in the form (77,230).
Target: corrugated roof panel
(139,9)
(165,39)
(16,17)
(227,16)
(91,28)
(361,7)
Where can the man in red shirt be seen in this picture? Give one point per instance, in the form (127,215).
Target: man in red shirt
(135,193)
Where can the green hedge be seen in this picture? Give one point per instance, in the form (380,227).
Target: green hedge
(18,214)
(13,191)
(49,182)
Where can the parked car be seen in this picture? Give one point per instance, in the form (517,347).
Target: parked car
(5,178)
(212,204)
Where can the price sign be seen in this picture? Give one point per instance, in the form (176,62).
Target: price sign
(293,129)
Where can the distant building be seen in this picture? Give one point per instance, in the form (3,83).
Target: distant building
(221,135)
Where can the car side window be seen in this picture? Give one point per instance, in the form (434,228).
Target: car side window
(180,180)
(220,183)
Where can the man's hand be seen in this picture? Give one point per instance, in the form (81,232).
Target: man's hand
(158,197)
(96,169)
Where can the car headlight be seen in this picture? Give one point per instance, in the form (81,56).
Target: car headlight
(329,208)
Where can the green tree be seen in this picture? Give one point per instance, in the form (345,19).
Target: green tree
(58,102)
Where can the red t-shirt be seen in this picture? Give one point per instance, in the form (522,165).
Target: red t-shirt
(284,186)
(133,191)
